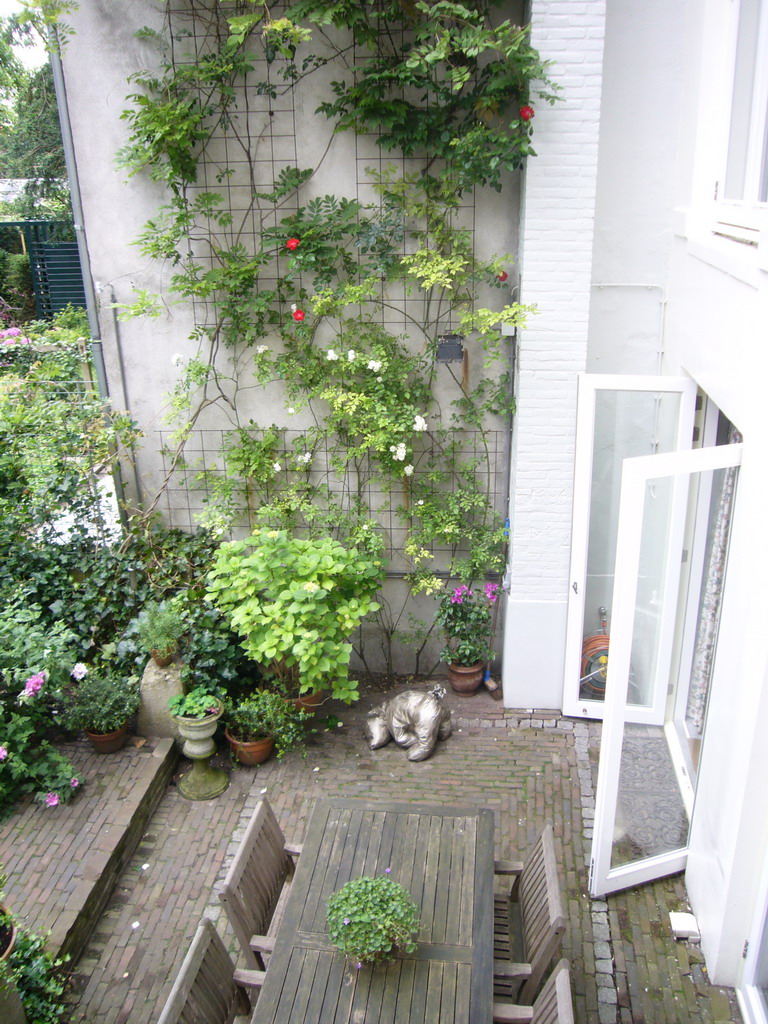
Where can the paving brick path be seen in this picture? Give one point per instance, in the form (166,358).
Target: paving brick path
(529,768)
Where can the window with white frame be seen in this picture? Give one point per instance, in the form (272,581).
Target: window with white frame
(744,182)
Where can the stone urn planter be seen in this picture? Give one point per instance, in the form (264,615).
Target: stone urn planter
(203,782)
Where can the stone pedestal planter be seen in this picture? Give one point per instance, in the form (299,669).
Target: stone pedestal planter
(203,782)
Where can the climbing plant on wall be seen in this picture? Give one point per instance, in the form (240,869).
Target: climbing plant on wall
(333,303)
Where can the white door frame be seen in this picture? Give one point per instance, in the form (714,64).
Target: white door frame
(636,474)
(588,386)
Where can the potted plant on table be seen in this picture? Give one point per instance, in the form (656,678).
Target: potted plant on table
(160,626)
(464,616)
(262,722)
(296,603)
(102,705)
(371,919)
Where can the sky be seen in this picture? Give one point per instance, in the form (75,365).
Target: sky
(30,57)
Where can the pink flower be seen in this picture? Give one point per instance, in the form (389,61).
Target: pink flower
(459,593)
(3,753)
(491,591)
(33,685)
(80,671)
(526,113)
(51,799)
(298,315)
(74,782)
(292,243)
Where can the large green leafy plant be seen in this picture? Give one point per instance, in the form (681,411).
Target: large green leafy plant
(296,603)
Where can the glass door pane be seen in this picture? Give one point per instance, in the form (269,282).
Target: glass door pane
(643,797)
(619,418)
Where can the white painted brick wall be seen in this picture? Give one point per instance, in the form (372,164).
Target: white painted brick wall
(555,266)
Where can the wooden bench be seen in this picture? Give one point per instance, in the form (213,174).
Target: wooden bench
(207,987)
(528,923)
(553,1005)
(254,882)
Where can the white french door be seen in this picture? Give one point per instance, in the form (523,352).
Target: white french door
(618,417)
(645,792)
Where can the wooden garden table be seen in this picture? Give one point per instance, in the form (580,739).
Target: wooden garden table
(444,857)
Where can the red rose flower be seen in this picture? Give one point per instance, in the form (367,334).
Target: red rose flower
(526,113)
(298,315)
(292,243)
(503,275)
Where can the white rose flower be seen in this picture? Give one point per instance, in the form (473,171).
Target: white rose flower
(420,501)
(177,359)
(408,470)
(419,423)
(332,355)
(260,350)
(291,410)
(351,355)
(277,467)
(374,364)
(400,452)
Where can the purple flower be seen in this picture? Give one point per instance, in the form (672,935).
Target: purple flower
(491,591)
(359,965)
(346,920)
(51,799)
(74,782)
(387,870)
(3,753)
(11,332)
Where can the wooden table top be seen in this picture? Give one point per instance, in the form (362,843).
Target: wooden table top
(444,857)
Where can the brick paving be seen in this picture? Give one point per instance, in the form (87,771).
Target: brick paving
(528,767)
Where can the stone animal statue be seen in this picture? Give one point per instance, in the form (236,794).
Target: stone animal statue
(412,719)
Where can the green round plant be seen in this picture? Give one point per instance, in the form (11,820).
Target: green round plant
(296,602)
(102,703)
(371,919)
(198,703)
(266,714)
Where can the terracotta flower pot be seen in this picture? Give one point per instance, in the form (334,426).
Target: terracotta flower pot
(309,702)
(108,742)
(7,936)
(251,752)
(162,658)
(465,679)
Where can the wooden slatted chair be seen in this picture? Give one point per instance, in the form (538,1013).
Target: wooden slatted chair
(262,865)
(207,987)
(553,1005)
(533,935)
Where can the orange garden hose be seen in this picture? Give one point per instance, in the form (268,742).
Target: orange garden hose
(594,660)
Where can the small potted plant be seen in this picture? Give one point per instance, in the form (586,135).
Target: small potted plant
(296,602)
(464,617)
(261,722)
(372,919)
(11,1009)
(102,704)
(160,626)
